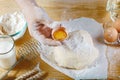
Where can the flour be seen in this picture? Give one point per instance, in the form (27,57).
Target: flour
(97,70)
(79,40)
(12,23)
(77,51)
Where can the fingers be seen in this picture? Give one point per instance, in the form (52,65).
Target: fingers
(51,42)
(43,29)
(42,33)
(44,40)
(46,31)
(33,15)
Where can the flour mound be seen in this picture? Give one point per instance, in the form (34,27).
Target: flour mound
(77,52)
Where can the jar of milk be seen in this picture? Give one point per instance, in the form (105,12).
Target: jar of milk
(7,52)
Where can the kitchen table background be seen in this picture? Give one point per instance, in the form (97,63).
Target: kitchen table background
(56,8)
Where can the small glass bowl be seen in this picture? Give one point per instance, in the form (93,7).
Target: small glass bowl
(20,33)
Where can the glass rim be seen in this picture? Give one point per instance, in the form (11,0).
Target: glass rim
(18,32)
(7,36)
(114,10)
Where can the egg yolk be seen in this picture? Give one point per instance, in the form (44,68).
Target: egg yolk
(59,34)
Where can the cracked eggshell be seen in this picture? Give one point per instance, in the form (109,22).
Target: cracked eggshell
(59,33)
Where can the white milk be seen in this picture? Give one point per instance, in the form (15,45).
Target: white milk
(8,59)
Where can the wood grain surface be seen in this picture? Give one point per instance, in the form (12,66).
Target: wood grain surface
(61,10)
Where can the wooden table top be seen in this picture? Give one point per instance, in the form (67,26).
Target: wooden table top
(87,8)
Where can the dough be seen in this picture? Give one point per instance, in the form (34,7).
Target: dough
(77,52)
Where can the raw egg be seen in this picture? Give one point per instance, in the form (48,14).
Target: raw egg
(59,34)
(110,34)
(116,24)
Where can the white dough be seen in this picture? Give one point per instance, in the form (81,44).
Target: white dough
(77,52)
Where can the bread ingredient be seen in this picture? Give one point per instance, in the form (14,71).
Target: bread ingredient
(36,76)
(12,23)
(77,51)
(29,73)
(110,34)
(59,33)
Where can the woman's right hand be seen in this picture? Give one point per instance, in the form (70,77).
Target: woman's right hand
(38,22)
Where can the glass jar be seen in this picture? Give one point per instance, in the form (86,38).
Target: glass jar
(113,7)
(7,52)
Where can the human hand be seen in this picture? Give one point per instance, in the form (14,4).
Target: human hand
(43,33)
(38,22)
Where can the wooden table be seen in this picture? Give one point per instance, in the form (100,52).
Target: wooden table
(87,8)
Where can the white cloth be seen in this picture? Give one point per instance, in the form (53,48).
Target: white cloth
(99,69)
